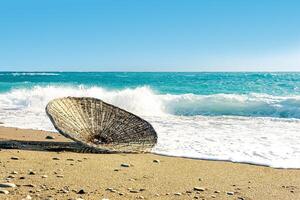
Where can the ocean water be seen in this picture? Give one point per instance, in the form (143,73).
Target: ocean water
(239,117)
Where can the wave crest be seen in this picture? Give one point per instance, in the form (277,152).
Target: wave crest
(34,74)
(144,101)
(256,105)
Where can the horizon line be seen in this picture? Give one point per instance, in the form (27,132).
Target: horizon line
(129,71)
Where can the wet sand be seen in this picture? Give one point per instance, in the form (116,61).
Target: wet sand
(67,175)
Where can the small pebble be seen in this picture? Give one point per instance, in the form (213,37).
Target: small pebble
(44,176)
(64,191)
(4,192)
(241,198)
(141,197)
(14,172)
(230,193)
(55,158)
(30,185)
(50,137)
(125,165)
(177,194)
(32,173)
(15,158)
(199,189)
(133,191)
(81,191)
(109,189)
(156,161)
(7,185)
(60,176)
(28,197)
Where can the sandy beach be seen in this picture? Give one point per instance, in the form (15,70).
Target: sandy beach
(155,100)
(67,175)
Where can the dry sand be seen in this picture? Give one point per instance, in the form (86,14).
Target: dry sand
(65,175)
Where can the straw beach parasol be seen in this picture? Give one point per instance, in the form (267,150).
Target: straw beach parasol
(100,126)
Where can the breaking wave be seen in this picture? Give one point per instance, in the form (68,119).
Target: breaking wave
(144,101)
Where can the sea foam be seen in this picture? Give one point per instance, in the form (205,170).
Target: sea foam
(34,74)
(253,128)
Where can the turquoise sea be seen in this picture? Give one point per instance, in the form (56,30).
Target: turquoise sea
(242,117)
(162,82)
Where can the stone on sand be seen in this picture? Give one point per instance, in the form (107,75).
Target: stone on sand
(177,194)
(230,193)
(28,197)
(81,191)
(32,173)
(4,192)
(7,185)
(134,191)
(201,189)
(50,137)
(125,165)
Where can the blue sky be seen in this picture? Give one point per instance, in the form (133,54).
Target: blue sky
(150,35)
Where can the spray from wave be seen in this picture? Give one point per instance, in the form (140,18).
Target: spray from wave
(144,101)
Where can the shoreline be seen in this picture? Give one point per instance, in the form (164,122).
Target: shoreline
(60,138)
(149,176)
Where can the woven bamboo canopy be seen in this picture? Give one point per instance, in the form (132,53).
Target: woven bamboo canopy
(98,125)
